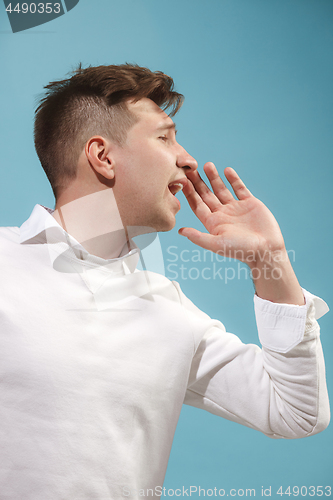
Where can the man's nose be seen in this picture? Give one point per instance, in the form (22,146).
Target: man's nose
(186,161)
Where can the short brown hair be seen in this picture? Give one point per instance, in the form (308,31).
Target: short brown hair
(93,101)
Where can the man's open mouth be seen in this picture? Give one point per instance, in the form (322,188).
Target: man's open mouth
(175,187)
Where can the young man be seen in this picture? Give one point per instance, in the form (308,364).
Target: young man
(97,359)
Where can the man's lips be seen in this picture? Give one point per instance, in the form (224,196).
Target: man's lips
(177,185)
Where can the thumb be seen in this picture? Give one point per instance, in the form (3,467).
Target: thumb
(204,240)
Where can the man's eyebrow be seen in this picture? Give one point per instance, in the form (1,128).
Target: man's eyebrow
(167,126)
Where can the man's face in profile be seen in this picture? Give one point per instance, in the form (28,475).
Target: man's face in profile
(149,169)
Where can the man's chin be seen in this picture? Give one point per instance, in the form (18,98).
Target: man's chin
(162,221)
(153,227)
(167,225)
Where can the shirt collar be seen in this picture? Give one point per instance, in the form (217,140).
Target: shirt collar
(41,227)
(35,228)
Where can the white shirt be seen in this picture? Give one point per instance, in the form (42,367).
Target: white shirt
(97,360)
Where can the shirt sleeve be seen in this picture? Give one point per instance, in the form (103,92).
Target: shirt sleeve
(279,389)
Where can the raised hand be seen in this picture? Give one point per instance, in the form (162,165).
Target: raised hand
(242,228)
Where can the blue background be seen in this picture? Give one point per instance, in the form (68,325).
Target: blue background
(257,78)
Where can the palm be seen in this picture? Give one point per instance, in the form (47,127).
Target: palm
(239,228)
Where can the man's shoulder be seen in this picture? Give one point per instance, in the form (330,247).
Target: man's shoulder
(159,284)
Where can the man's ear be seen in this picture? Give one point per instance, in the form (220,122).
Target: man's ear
(99,155)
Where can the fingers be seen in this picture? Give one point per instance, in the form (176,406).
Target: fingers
(203,190)
(202,200)
(219,188)
(220,194)
(196,202)
(237,184)
(204,240)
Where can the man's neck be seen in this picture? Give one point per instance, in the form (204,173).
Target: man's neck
(94,221)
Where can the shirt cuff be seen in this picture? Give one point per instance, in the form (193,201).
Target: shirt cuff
(282,326)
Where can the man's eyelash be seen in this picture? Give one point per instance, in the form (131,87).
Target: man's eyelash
(164,137)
